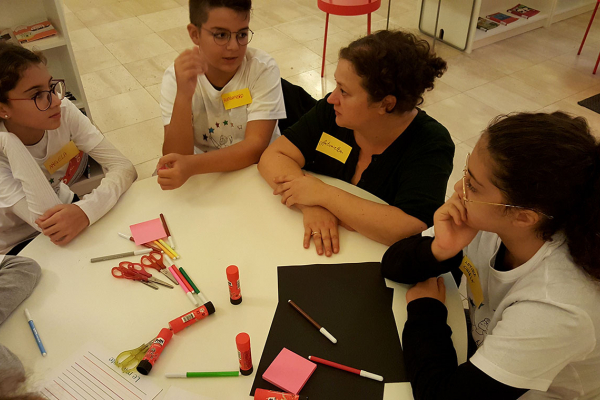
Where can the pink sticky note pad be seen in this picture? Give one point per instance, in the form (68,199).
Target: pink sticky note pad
(148,231)
(289,371)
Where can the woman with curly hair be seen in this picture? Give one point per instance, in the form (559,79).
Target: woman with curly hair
(368,132)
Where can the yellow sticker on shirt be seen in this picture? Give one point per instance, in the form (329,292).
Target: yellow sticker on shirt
(334,147)
(467,268)
(64,155)
(236,99)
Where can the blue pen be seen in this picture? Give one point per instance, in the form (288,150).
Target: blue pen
(35,333)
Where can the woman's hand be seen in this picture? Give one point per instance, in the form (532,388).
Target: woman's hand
(432,287)
(304,190)
(322,226)
(174,170)
(452,233)
(62,223)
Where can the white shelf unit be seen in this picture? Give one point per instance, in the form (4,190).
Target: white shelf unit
(550,11)
(57,49)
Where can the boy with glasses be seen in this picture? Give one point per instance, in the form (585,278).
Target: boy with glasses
(219,95)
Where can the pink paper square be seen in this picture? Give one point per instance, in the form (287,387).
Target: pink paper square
(148,231)
(289,371)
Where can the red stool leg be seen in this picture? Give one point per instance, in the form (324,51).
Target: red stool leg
(597,61)
(369,24)
(324,45)
(588,29)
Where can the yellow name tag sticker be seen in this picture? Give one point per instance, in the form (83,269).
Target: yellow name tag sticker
(334,147)
(236,99)
(64,155)
(467,268)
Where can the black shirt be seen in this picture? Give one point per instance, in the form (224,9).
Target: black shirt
(411,174)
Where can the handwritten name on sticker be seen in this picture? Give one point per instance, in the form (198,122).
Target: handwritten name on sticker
(470,271)
(334,148)
(236,99)
(62,157)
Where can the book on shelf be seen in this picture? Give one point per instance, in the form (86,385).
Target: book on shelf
(502,18)
(41,30)
(485,24)
(523,11)
(7,36)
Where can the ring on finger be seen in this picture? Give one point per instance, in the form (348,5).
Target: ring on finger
(313,233)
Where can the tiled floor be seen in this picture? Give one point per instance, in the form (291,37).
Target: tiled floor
(123,46)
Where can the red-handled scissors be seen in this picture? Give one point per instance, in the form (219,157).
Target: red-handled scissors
(139,269)
(155,260)
(121,272)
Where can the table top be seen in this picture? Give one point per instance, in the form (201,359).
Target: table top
(217,220)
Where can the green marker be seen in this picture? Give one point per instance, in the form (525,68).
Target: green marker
(193,285)
(203,374)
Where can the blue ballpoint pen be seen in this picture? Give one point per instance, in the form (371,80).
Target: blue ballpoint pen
(35,333)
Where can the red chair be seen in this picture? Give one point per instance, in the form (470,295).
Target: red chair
(346,7)
(586,33)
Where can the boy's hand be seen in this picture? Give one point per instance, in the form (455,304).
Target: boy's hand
(432,287)
(188,65)
(62,223)
(174,170)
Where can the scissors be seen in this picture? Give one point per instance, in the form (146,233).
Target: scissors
(129,359)
(155,260)
(126,273)
(139,269)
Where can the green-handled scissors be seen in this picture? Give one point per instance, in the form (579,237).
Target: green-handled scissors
(131,358)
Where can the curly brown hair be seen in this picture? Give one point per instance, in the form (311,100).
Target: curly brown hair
(394,63)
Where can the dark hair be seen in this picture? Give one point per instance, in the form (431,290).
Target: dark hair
(199,8)
(14,60)
(12,386)
(394,63)
(551,163)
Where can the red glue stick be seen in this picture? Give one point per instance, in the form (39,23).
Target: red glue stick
(242,341)
(263,394)
(233,279)
(190,318)
(153,353)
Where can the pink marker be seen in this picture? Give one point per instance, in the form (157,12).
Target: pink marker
(187,292)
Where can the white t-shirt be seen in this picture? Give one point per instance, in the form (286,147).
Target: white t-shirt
(75,126)
(538,327)
(215,127)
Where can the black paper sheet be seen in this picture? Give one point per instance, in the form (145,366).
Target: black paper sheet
(352,302)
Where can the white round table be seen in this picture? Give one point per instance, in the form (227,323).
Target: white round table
(216,220)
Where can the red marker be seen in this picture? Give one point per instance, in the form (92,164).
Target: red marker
(349,369)
(154,352)
(242,341)
(187,319)
(263,394)
(233,280)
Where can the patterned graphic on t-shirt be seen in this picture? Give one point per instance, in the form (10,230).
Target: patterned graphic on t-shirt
(480,330)
(218,135)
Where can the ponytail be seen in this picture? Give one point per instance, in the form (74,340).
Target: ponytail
(551,163)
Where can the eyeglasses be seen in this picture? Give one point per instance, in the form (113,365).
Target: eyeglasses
(466,200)
(43,98)
(222,38)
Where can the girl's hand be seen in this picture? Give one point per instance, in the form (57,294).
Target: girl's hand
(174,170)
(452,233)
(304,190)
(322,226)
(432,287)
(188,65)
(62,223)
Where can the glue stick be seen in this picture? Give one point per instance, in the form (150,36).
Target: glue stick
(233,279)
(263,394)
(153,353)
(242,341)
(189,318)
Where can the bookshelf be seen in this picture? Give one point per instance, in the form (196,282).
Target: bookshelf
(450,21)
(57,49)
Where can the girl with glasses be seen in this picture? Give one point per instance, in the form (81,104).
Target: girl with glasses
(43,140)
(221,99)
(525,219)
